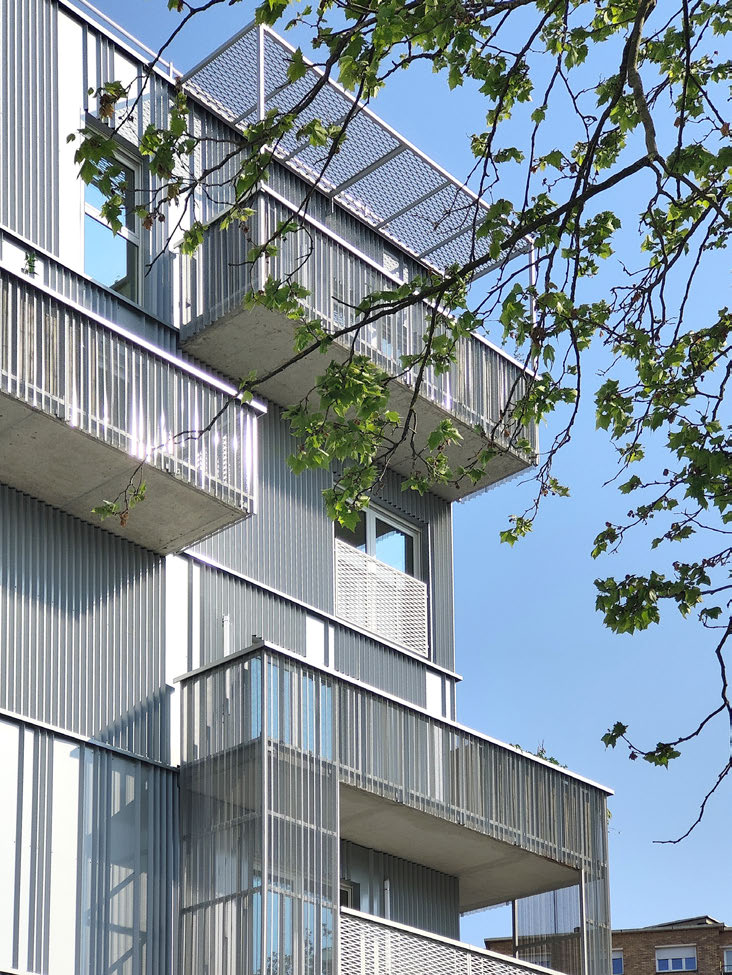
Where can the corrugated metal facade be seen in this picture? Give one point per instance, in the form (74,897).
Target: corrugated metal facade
(28,129)
(81,628)
(88,858)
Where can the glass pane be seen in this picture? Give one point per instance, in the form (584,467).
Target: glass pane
(662,964)
(676,964)
(690,964)
(394,547)
(110,259)
(124,183)
(617,966)
(357,537)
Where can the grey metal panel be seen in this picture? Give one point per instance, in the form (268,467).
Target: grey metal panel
(81,638)
(89,855)
(289,545)
(418,896)
(28,111)
(234,611)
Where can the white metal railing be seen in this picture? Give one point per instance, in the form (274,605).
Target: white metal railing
(64,362)
(374,946)
(378,598)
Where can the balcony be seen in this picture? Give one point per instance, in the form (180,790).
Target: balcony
(379,212)
(475,393)
(376,597)
(84,403)
(370,944)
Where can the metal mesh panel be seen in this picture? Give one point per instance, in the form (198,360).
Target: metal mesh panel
(381,599)
(377,175)
(379,948)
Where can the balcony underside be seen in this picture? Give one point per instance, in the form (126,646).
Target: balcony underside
(261,340)
(65,467)
(489,871)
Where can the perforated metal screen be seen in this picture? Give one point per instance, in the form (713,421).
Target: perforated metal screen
(378,174)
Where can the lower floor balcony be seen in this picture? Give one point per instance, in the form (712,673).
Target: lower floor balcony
(89,411)
(374,946)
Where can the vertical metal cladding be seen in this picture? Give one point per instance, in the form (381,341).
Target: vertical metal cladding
(259,819)
(289,544)
(418,896)
(222,822)
(88,857)
(81,617)
(301,829)
(233,611)
(549,927)
(28,112)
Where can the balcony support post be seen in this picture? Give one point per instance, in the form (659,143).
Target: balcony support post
(514,928)
(583,924)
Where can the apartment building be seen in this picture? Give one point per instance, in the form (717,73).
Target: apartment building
(228,731)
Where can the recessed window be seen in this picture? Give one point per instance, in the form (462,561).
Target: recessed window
(385,538)
(727,961)
(113,259)
(350,894)
(676,958)
(618,961)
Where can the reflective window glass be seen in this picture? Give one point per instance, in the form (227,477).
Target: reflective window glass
(357,537)
(394,546)
(124,184)
(111,260)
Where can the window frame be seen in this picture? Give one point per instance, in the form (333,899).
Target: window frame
(617,955)
(678,953)
(132,236)
(374,512)
(726,953)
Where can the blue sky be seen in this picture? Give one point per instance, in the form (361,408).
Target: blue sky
(537,662)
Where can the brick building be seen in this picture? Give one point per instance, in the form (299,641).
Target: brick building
(696,944)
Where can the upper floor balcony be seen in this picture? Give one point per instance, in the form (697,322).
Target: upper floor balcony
(382,213)
(89,409)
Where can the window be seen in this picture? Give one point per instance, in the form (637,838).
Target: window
(385,538)
(617,961)
(113,259)
(727,967)
(350,894)
(676,958)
